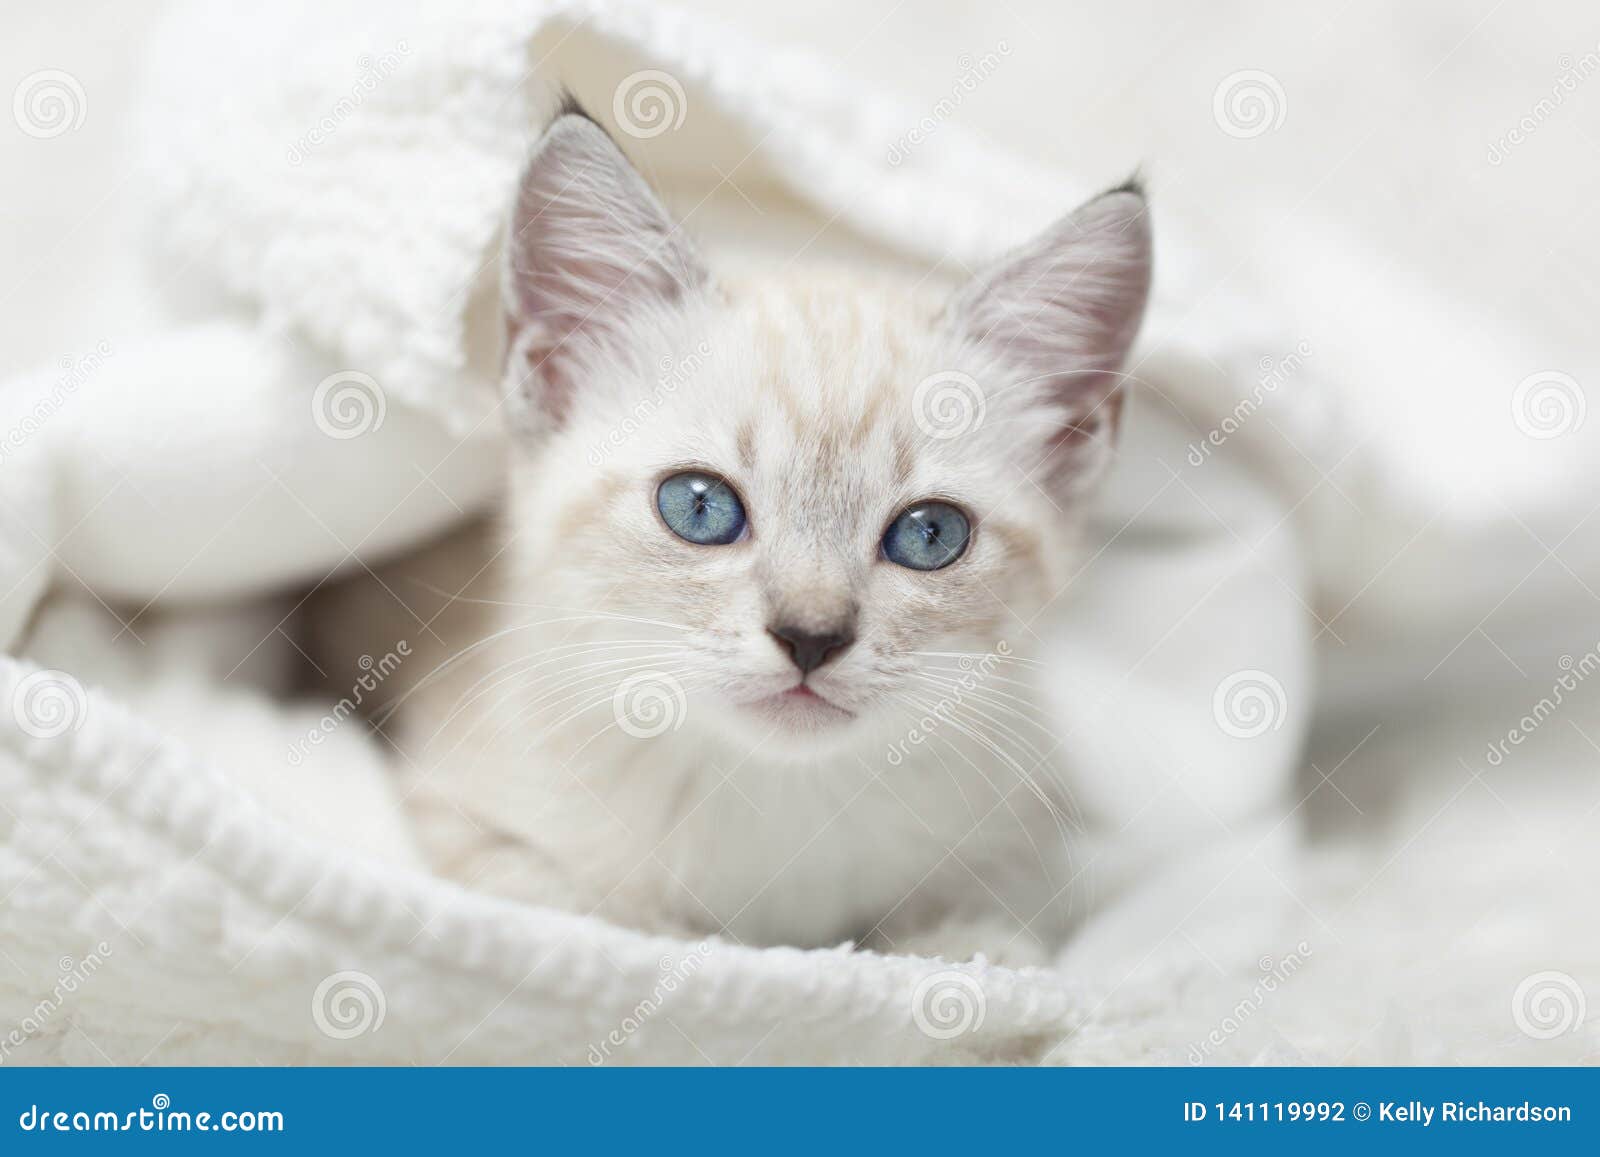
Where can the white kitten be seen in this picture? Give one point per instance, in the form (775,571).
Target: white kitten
(752,659)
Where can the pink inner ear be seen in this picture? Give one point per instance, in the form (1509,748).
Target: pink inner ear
(1067,305)
(590,252)
(1061,313)
(1097,424)
(1080,449)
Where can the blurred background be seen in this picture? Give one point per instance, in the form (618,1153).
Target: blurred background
(1394,131)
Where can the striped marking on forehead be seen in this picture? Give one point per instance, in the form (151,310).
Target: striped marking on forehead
(838,366)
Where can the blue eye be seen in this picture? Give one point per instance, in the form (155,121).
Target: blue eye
(927,536)
(700,508)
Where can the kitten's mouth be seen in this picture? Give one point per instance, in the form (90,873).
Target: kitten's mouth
(803,708)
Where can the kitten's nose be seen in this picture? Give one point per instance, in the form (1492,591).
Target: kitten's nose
(810,651)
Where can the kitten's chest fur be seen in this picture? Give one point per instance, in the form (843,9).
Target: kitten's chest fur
(520,783)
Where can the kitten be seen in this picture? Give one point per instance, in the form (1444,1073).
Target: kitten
(747,654)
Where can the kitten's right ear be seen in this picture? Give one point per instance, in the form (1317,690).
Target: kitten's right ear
(590,250)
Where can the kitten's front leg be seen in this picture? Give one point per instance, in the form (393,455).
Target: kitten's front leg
(462,850)
(625,890)
(509,868)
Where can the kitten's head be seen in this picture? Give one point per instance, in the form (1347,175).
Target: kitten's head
(820,495)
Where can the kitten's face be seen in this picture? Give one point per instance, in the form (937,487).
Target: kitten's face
(825,499)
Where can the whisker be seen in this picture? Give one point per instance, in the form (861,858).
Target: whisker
(575,612)
(570,677)
(1005,797)
(989,744)
(568,690)
(978,695)
(977,656)
(571,652)
(520,716)
(1001,732)
(902,702)
(1124,376)
(989,677)
(461,655)
(687,684)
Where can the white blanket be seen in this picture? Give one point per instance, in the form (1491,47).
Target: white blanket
(335,203)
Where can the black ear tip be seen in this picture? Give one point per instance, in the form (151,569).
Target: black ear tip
(568,105)
(1134,184)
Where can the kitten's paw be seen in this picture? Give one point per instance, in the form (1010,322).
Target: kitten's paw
(959,940)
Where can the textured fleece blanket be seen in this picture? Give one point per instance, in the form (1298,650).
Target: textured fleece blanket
(180,888)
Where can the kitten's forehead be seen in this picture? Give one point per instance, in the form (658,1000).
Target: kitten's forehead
(810,384)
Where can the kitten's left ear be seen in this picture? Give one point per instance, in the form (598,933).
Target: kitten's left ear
(590,253)
(1064,309)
